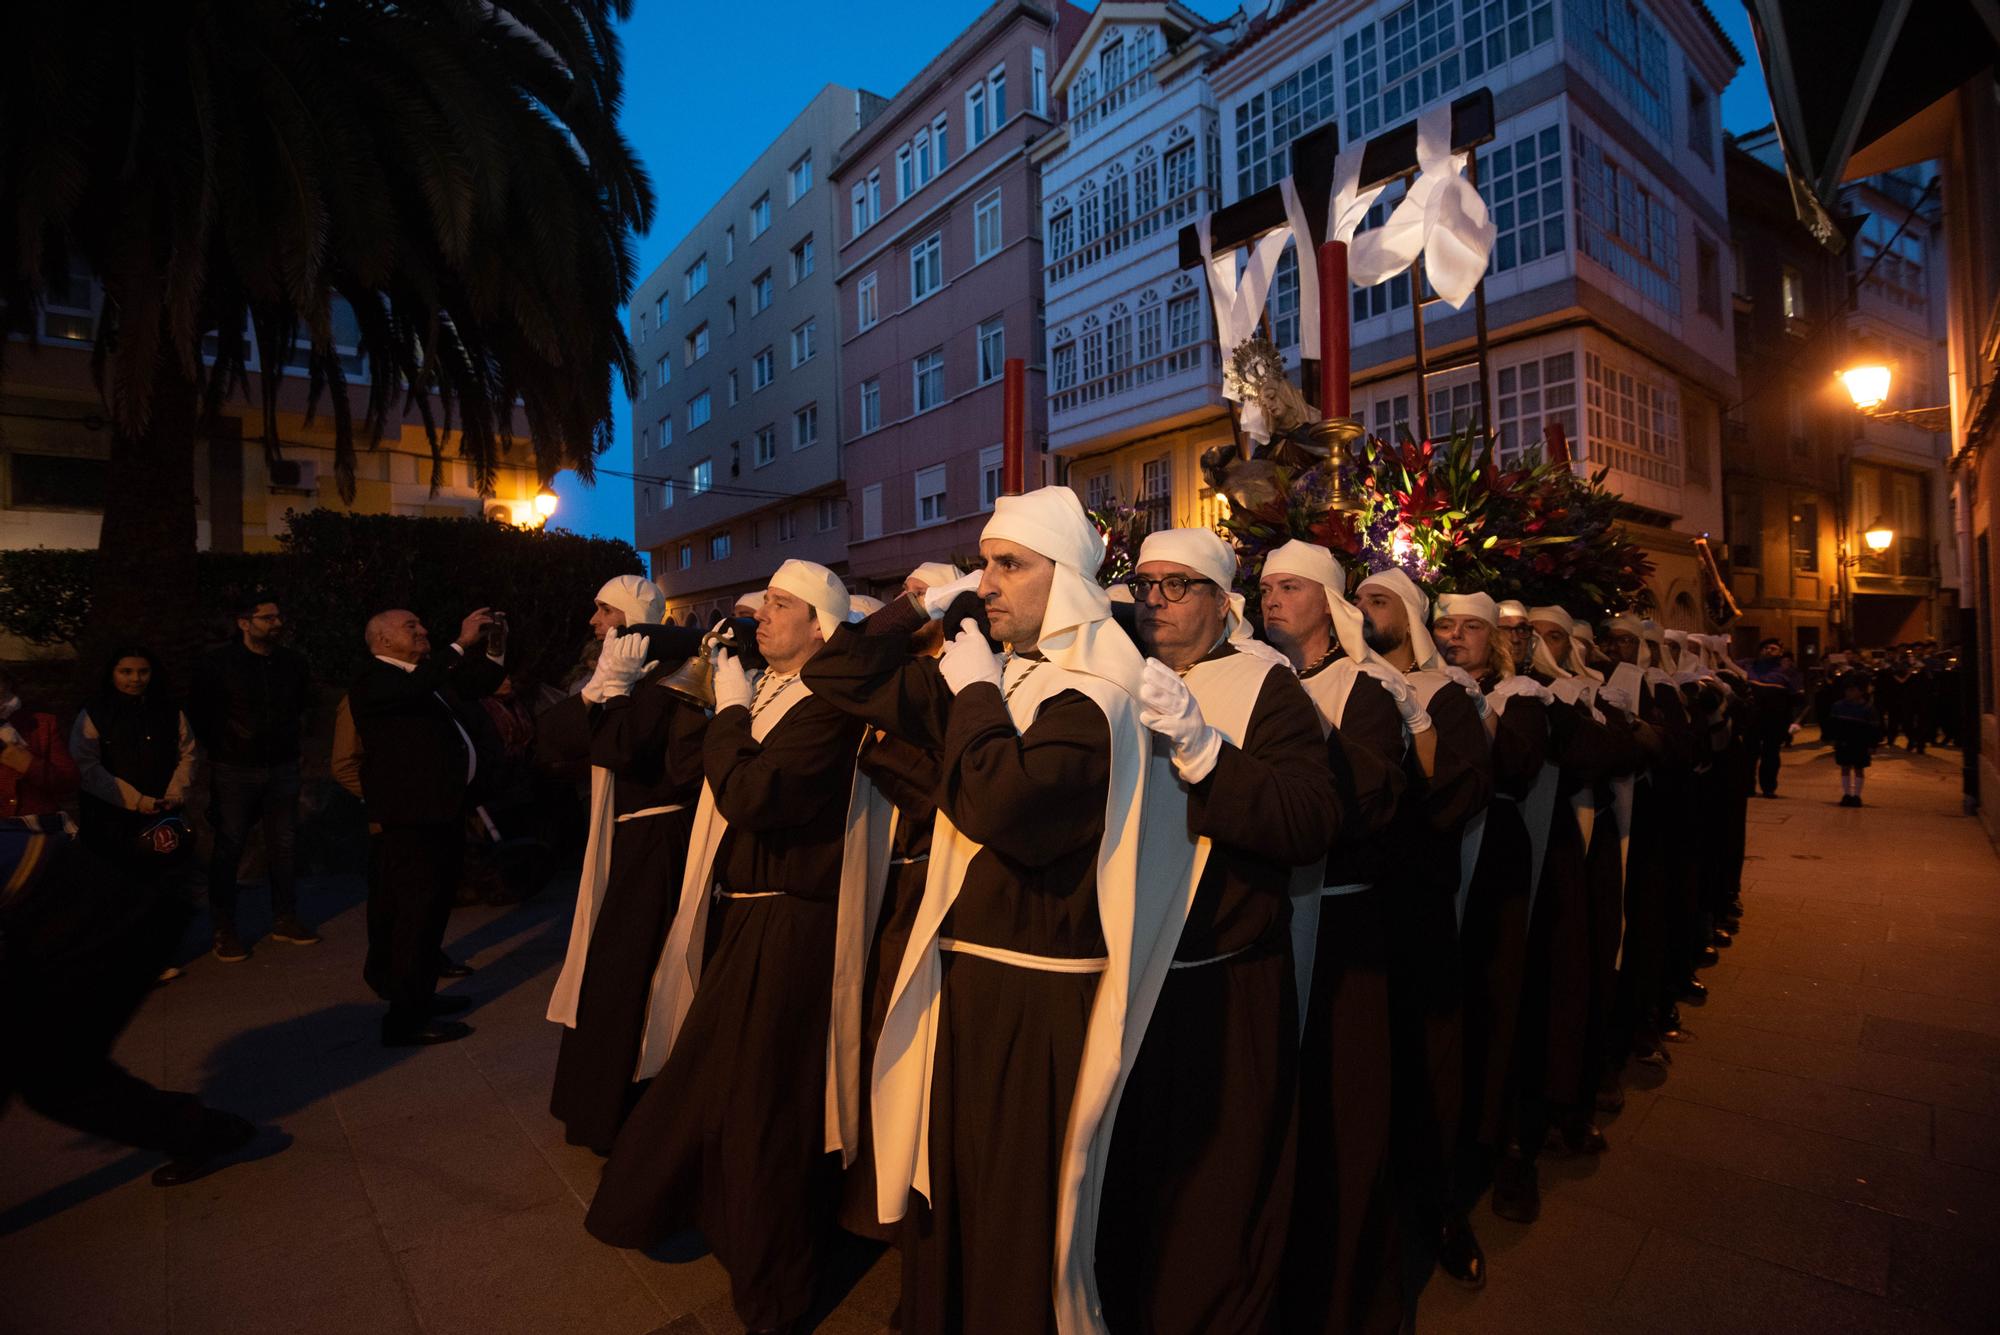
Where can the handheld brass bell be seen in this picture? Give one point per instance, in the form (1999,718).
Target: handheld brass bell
(694,679)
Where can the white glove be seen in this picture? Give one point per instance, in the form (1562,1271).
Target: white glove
(732,683)
(1169,708)
(1618,698)
(1256,648)
(1522,685)
(939,596)
(620,663)
(968,659)
(1464,678)
(1415,718)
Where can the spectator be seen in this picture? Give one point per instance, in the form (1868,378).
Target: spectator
(1854,731)
(1778,692)
(37,775)
(134,754)
(248,709)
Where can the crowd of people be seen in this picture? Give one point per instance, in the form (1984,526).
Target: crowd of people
(1128,968)
(1128,962)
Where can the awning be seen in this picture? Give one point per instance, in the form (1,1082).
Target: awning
(1850,81)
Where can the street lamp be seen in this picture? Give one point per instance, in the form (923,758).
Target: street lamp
(1878,535)
(1867,376)
(545,504)
(1867,383)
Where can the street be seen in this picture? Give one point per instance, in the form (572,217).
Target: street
(1822,1157)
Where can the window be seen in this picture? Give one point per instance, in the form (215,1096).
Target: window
(1098,492)
(1038,81)
(1708,278)
(857,204)
(800,178)
(996,95)
(1183,320)
(1522,182)
(701,477)
(1792,295)
(826,515)
(977,127)
(992,349)
(1528,397)
(805,426)
(1622,40)
(986,227)
(763,446)
(930,496)
(1118,339)
(906,174)
(871,405)
(696,277)
(761,292)
(874,196)
(718,546)
(926,267)
(1701,121)
(667,494)
(871,511)
(762,370)
(661,309)
(57,482)
(1625,224)
(803,340)
(1632,421)
(1897,276)
(760,217)
(788,525)
(1156,493)
(867,302)
(645,441)
(1149,333)
(729,245)
(697,344)
(1180,171)
(1267,122)
(1117,204)
(992,466)
(684,556)
(1145,187)
(1093,351)
(802,261)
(641,335)
(1805,535)
(665,435)
(663,372)
(927,380)
(1089,218)
(1065,365)
(1062,234)
(941,142)
(699,410)
(734,392)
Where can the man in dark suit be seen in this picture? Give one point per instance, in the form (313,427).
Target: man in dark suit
(417,764)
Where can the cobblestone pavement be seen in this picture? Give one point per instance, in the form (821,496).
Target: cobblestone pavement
(1822,1157)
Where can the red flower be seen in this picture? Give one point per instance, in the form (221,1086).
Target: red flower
(1543,563)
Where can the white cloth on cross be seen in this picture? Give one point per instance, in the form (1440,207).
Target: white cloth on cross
(1441,218)
(1239,303)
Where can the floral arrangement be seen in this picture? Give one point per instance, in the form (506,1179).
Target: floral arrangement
(1124,528)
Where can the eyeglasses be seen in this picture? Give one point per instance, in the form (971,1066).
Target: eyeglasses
(1173,588)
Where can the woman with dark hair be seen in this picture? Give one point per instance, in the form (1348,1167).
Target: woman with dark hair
(135,752)
(36,773)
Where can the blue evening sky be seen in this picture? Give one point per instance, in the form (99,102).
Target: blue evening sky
(701,102)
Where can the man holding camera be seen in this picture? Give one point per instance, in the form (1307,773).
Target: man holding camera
(417,766)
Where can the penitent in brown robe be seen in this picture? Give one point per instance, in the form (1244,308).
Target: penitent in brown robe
(1198,1187)
(730,1136)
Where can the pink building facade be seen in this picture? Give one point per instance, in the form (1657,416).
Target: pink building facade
(940,281)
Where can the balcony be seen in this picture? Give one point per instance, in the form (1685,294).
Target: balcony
(1096,113)
(1193,357)
(1174,211)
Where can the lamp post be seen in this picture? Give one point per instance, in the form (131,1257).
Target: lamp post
(545,505)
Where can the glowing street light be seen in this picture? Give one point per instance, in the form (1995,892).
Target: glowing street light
(1867,378)
(545,504)
(1878,535)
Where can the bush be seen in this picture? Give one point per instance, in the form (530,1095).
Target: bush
(336,570)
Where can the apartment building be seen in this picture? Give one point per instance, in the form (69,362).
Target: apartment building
(735,426)
(939,284)
(1605,289)
(1135,381)
(55,446)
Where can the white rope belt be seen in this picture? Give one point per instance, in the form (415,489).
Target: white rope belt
(1335,891)
(1213,959)
(652,811)
(909,862)
(748,894)
(1040,963)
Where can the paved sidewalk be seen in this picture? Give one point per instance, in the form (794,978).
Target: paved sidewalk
(1823,1157)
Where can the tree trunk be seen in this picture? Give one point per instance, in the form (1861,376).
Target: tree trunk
(144,593)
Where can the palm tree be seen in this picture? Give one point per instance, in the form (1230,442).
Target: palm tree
(450,170)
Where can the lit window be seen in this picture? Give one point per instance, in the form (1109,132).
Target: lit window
(701,477)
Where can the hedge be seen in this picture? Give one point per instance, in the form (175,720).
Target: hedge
(335,570)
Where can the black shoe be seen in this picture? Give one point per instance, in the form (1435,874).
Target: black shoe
(1459,1255)
(1675,1034)
(423,1035)
(290,929)
(1709,956)
(1589,1140)
(1694,992)
(1722,938)
(451,968)
(450,1005)
(1653,1056)
(229,947)
(1517,1189)
(228,1133)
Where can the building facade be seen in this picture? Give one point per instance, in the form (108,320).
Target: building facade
(735,434)
(1605,289)
(939,283)
(55,444)
(1135,385)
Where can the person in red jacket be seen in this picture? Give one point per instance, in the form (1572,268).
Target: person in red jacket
(36,773)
